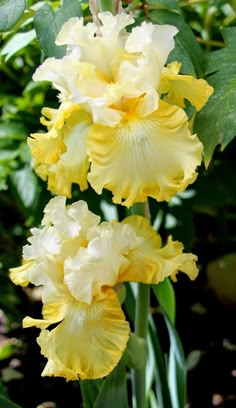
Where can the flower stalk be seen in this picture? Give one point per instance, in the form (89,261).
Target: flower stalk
(141,322)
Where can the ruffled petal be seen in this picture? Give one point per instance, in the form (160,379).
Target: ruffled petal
(177,88)
(69,221)
(68,162)
(88,343)
(63,73)
(143,228)
(154,156)
(82,39)
(148,263)
(19,275)
(153,43)
(43,242)
(174,260)
(97,266)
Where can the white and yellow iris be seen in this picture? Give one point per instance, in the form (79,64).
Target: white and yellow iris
(78,262)
(121,123)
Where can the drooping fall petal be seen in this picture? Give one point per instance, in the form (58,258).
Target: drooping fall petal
(88,342)
(154,156)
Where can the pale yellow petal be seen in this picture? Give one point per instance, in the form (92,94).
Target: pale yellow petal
(97,266)
(152,44)
(46,148)
(154,156)
(69,221)
(151,266)
(52,313)
(63,73)
(60,155)
(143,228)
(177,88)
(174,260)
(88,343)
(19,275)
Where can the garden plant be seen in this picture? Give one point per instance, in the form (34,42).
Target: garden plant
(117,180)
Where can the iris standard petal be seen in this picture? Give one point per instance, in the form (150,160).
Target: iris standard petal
(69,221)
(154,156)
(97,266)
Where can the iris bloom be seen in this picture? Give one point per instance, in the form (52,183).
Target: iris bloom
(121,112)
(79,262)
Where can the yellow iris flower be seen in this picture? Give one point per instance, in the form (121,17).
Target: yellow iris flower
(78,262)
(121,111)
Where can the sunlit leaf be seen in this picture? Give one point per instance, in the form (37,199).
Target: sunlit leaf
(48,23)
(17,42)
(25,185)
(12,131)
(10,12)
(216,122)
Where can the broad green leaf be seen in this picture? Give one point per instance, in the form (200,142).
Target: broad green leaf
(10,12)
(5,403)
(187,50)
(113,392)
(166,297)
(17,42)
(161,377)
(48,23)
(89,390)
(25,185)
(46,30)
(216,123)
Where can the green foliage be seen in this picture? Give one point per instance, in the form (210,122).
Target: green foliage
(109,392)
(10,13)
(48,23)
(28,35)
(164,292)
(176,364)
(216,123)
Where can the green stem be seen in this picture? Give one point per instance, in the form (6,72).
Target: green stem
(141,323)
(106,5)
